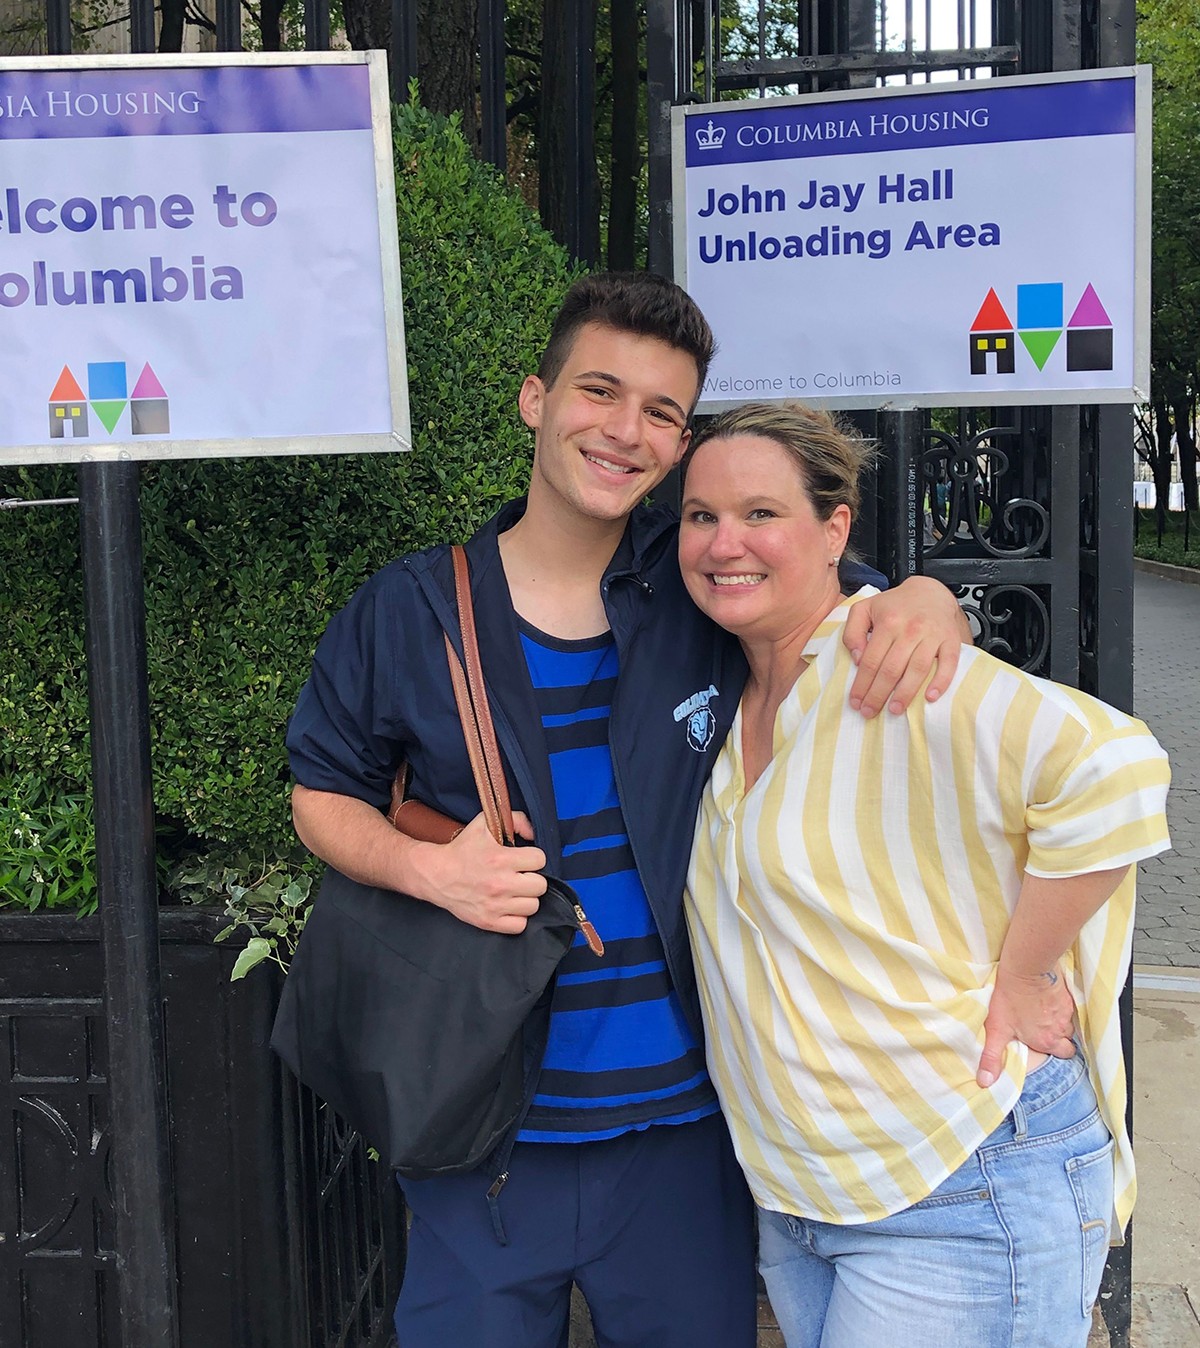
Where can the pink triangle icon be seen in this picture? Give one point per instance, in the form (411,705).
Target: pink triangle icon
(147,385)
(1089,312)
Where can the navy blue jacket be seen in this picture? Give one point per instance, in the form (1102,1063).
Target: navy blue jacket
(379,690)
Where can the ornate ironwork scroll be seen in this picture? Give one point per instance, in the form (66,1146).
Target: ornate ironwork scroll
(966,486)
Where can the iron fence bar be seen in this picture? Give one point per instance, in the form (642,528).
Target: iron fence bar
(684,54)
(900,432)
(1027,571)
(860,37)
(229,25)
(1115,33)
(1116,1283)
(580,222)
(492,109)
(662,92)
(402,58)
(712,35)
(783,70)
(110,532)
(18,503)
(1062,425)
(58,27)
(1113,561)
(1066,37)
(1115,22)
(316,25)
(141,25)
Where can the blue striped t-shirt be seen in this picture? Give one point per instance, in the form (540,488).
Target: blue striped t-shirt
(620,1055)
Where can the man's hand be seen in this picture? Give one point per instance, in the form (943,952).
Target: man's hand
(474,877)
(479,880)
(1037,1010)
(911,629)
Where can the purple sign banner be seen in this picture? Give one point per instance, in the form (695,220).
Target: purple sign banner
(182,101)
(976,113)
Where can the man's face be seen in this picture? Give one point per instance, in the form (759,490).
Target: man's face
(613,424)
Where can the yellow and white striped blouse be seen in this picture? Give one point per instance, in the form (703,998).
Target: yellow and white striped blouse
(847,913)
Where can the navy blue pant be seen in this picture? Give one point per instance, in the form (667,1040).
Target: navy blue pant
(655,1226)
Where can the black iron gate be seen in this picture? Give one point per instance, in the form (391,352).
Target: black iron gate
(1025,512)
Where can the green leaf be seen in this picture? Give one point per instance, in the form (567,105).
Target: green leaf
(257,949)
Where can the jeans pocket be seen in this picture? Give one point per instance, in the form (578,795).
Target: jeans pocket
(1091,1180)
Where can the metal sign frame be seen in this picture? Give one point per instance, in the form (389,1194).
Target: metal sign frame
(399,437)
(880,399)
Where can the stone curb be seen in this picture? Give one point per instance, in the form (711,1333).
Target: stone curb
(1189,575)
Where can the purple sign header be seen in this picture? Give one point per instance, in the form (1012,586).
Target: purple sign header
(182,101)
(976,113)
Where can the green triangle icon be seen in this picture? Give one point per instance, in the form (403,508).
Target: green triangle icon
(1040,344)
(109,411)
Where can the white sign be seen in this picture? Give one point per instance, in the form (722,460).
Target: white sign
(980,243)
(198,257)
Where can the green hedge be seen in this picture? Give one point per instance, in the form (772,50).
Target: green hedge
(246,560)
(1171,549)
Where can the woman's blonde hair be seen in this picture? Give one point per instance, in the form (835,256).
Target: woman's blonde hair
(828,452)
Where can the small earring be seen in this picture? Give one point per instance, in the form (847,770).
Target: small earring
(834,561)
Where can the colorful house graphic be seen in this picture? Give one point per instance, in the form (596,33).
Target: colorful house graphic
(108,396)
(68,407)
(992,335)
(1090,335)
(1040,310)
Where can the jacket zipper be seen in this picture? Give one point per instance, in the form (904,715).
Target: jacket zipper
(590,934)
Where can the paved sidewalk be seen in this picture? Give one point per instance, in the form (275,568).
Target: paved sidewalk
(1166,1240)
(1166,695)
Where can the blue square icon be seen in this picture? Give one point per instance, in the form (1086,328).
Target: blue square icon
(107,380)
(1040,306)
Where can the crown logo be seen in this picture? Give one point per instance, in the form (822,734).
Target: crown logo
(710,137)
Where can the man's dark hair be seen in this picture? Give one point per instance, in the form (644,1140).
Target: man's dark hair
(629,301)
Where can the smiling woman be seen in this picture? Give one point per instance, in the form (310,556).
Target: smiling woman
(766,523)
(906,932)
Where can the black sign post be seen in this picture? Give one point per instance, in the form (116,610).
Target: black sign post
(111,536)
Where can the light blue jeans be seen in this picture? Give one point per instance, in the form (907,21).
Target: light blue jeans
(1005,1253)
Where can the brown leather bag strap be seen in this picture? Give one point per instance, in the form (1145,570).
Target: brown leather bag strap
(475,713)
(470,729)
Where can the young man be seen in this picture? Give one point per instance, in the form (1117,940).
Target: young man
(611,697)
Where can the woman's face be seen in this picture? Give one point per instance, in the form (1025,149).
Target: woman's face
(754,555)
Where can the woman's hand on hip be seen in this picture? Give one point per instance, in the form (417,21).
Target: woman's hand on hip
(1036,1010)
